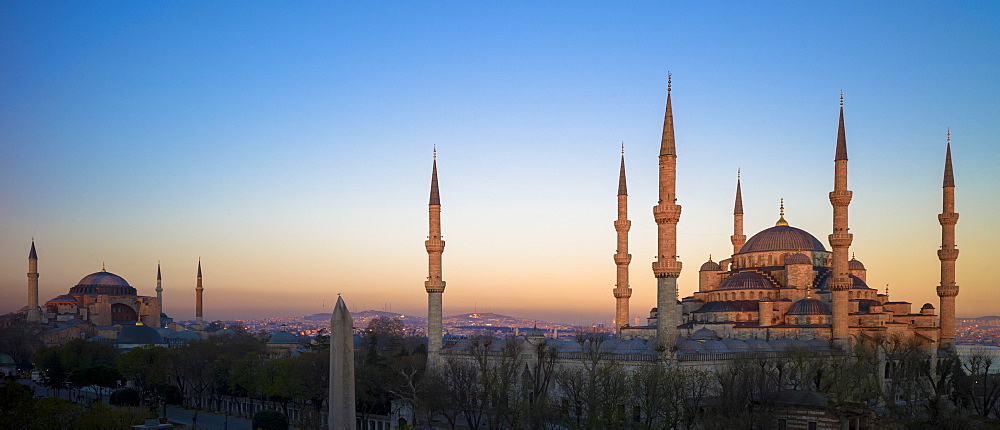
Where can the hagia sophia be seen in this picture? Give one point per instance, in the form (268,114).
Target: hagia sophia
(104,306)
(779,290)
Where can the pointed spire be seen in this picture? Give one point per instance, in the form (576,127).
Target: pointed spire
(781,220)
(949,177)
(199,267)
(841,138)
(435,197)
(667,141)
(158,276)
(32,255)
(622,189)
(738,210)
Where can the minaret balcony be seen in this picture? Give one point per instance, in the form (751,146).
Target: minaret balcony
(434,286)
(948,219)
(667,213)
(623,259)
(667,268)
(623,293)
(841,197)
(841,284)
(623,224)
(947,290)
(948,254)
(434,245)
(841,240)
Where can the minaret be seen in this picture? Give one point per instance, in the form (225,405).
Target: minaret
(159,286)
(666,268)
(198,301)
(948,254)
(840,239)
(622,291)
(738,238)
(34,313)
(434,284)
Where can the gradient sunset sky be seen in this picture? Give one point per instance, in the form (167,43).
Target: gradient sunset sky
(288,145)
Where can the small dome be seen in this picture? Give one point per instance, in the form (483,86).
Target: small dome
(714,346)
(710,265)
(139,334)
(797,259)
(758,345)
(746,280)
(283,337)
(808,307)
(736,345)
(927,306)
(685,345)
(632,346)
(782,238)
(103,283)
(855,265)
(704,334)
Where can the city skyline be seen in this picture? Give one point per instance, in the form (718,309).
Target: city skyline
(289,147)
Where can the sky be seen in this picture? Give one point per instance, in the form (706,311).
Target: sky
(288,145)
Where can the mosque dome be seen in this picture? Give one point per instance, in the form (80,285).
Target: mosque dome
(798,259)
(782,238)
(710,265)
(282,337)
(65,298)
(855,265)
(808,307)
(744,281)
(103,283)
(139,334)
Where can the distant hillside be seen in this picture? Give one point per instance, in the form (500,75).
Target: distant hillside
(362,318)
(484,320)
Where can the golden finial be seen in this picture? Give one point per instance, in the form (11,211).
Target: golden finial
(949,142)
(435,152)
(852,256)
(669,75)
(709,257)
(841,98)
(887,289)
(102,267)
(808,292)
(623,147)
(737,173)
(781,220)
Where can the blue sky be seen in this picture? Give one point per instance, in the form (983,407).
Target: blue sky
(288,145)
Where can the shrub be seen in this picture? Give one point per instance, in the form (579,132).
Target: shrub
(270,420)
(125,397)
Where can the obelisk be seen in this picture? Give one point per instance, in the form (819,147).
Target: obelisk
(342,414)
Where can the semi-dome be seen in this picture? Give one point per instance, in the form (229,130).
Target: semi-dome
(856,283)
(855,265)
(782,238)
(65,298)
(710,265)
(798,259)
(103,283)
(744,281)
(808,307)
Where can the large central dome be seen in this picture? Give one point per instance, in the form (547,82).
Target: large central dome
(782,238)
(103,283)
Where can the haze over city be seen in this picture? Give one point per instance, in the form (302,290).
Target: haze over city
(289,146)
